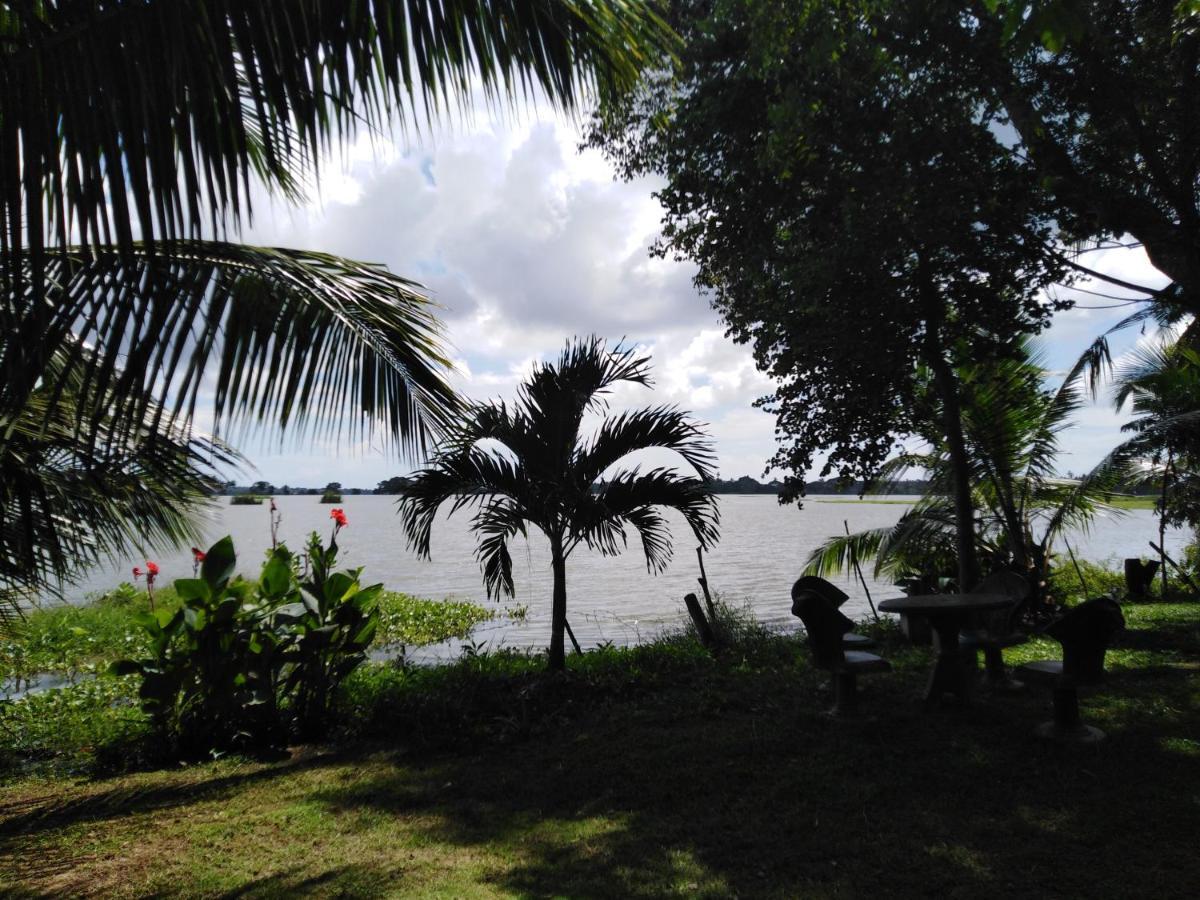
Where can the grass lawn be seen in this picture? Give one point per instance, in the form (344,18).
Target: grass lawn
(657,771)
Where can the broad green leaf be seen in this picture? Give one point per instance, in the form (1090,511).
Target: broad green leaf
(219,564)
(277,575)
(337,586)
(193,589)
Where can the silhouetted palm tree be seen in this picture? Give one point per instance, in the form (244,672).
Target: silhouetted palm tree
(1012,425)
(130,133)
(542,471)
(1160,382)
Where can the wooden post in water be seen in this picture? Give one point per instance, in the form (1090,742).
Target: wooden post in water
(571,635)
(703,579)
(703,629)
(1178,568)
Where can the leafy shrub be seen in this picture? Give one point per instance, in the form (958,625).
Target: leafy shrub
(229,667)
(209,682)
(328,629)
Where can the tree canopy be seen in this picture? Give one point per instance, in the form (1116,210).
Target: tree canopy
(1104,99)
(834,172)
(842,212)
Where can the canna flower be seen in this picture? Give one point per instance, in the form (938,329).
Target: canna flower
(137,573)
(339,517)
(197,555)
(151,569)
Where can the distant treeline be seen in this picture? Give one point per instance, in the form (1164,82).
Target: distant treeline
(748,485)
(743,485)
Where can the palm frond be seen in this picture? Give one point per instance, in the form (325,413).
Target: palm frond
(663,427)
(921,534)
(553,400)
(298,338)
(897,468)
(462,478)
(71,503)
(633,495)
(837,553)
(149,116)
(498,521)
(1093,366)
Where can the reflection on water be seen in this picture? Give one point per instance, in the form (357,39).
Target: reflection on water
(762,548)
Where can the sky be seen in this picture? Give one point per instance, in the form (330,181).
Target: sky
(523,241)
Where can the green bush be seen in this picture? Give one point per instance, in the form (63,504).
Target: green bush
(209,681)
(328,626)
(238,660)
(1108,579)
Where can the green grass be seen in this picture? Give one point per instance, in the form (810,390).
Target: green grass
(659,771)
(1119,502)
(73,642)
(1134,502)
(865,500)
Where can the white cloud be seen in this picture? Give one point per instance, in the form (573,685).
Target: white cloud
(525,242)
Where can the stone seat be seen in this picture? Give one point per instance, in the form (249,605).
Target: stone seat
(1085,633)
(982,640)
(852,641)
(827,629)
(836,596)
(1045,672)
(858,662)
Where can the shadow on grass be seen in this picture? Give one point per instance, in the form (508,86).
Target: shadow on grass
(48,812)
(724,780)
(962,802)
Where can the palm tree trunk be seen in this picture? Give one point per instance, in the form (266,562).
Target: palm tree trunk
(964,508)
(558,614)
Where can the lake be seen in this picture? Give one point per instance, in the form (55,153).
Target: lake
(763,546)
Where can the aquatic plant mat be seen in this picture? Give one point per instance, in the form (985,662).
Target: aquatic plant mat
(660,771)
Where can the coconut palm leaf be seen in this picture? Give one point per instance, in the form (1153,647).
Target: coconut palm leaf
(133,127)
(295,338)
(464,477)
(633,497)
(128,117)
(660,426)
(1012,427)
(71,503)
(498,521)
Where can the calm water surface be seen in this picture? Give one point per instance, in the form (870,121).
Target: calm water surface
(763,546)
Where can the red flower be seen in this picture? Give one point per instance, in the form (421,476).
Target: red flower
(197,554)
(137,573)
(339,516)
(151,568)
